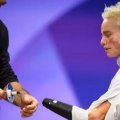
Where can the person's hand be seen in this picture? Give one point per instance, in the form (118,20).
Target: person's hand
(28,105)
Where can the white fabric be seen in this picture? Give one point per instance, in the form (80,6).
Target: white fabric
(117,113)
(79,113)
(112,95)
(111,112)
(118,61)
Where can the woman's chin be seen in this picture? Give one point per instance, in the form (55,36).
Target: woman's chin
(111,55)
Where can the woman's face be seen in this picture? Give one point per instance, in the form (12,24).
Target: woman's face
(110,37)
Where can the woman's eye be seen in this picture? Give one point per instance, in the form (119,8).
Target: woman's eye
(108,35)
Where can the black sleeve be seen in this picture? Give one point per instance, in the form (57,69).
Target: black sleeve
(6,73)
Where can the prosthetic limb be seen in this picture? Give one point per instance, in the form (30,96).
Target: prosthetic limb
(65,110)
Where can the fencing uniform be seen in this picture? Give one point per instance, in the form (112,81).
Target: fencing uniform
(112,95)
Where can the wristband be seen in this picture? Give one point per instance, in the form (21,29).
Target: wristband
(10,93)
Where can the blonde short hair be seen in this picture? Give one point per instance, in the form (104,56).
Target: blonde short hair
(112,12)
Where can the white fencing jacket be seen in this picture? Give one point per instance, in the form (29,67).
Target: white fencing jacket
(112,95)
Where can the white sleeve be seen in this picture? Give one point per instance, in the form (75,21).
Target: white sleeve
(111,113)
(79,113)
(111,94)
(117,113)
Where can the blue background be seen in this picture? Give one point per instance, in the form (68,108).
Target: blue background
(55,51)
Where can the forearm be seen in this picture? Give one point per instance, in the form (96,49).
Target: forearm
(104,107)
(100,112)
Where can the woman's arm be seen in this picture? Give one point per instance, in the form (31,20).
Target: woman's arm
(100,112)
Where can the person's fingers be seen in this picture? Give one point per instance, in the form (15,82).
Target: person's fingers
(33,104)
(26,114)
(29,102)
(29,110)
(32,107)
(29,105)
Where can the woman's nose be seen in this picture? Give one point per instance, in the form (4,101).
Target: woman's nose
(103,41)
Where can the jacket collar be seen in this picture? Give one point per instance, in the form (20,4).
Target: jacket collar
(118,61)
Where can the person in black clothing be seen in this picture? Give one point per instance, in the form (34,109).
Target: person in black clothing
(27,103)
